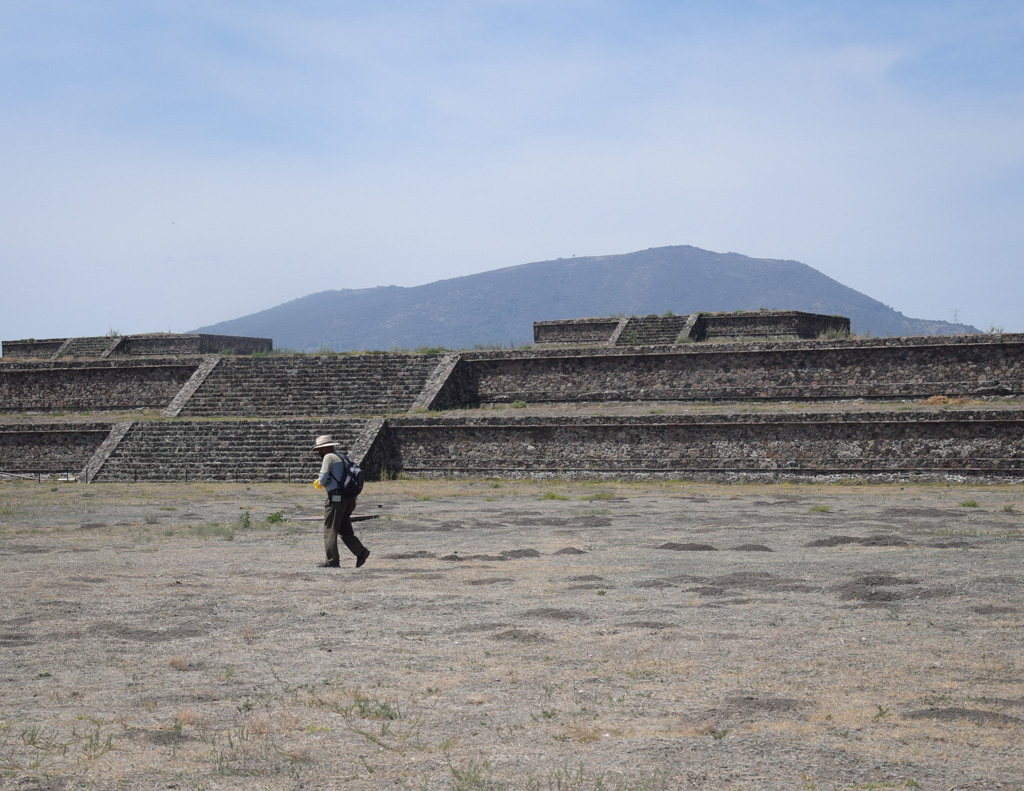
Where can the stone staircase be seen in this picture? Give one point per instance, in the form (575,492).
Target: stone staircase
(651,330)
(362,384)
(224,450)
(93,347)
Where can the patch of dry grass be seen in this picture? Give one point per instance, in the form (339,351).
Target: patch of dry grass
(142,656)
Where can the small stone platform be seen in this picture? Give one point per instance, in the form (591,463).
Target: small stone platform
(152,344)
(689,328)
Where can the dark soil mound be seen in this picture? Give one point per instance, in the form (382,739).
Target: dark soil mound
(556,614)
(870,541)
(591,521)
(880,579)
(710,590)
(658,625)
(833,541)
(884,541)
(476,627)
(977,716)
(872,595)
(746,708)
(515,554)
(521,636)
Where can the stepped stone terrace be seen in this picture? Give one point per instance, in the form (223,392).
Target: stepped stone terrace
(881,408)
(695,327)
(145,345)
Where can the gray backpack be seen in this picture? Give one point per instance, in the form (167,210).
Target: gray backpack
(352,479)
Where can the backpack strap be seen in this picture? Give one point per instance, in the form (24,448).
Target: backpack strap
(330,470)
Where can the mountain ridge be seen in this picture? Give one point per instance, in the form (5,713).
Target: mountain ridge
(498,307)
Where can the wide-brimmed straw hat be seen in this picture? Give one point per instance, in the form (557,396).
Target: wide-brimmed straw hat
(324,441)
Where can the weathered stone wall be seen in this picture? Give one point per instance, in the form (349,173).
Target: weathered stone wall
(230,344)
(943,443)
(939,443)
(667,329)
(91,385)
(169,344)
(574,331)
(53,448)
(768,324)
(166,344)
(31,348)
(857,368)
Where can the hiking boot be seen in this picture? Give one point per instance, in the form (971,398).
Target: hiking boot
(329,565)
(362,557)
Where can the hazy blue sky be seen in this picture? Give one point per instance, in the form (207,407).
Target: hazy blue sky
(165,165)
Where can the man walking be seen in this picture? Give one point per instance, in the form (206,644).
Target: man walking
(338,510)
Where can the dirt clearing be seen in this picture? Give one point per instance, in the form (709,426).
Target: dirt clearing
(513,635)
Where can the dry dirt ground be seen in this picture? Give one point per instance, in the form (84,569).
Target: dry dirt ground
(506,635)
